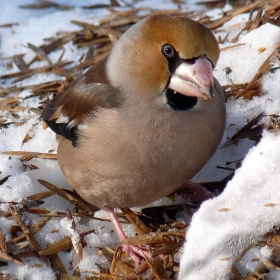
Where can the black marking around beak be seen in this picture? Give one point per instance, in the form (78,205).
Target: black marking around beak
(178,101)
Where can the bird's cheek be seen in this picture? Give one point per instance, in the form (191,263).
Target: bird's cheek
(152,84)
(193,79)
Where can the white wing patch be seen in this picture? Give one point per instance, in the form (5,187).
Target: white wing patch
(62,119)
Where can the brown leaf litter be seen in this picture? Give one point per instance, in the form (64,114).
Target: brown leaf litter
(163,236)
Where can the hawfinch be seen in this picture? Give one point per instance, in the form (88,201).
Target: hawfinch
(140,123)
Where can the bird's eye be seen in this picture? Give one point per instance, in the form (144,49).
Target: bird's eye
(168,51)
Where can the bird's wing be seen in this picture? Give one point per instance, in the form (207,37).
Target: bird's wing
(80,98)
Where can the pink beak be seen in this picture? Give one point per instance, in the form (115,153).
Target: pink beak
(193,79)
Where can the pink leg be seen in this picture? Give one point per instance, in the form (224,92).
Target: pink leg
(133,251)
(200,193)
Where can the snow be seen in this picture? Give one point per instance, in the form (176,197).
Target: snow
(250,203)
(253,208)
(253,43)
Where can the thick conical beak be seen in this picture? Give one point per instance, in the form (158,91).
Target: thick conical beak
(193,79)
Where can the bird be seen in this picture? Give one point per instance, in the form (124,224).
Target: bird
(141,122)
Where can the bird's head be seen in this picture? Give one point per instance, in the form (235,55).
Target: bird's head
(169,55)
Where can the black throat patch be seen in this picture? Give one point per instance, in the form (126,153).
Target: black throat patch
(178,101)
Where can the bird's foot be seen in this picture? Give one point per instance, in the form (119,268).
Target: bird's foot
(200,193)
(136,252)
